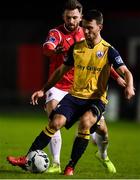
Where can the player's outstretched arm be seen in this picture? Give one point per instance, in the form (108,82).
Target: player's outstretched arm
(56,76)
(121,81)
(129,89)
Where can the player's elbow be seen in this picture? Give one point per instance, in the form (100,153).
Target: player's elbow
(48,50)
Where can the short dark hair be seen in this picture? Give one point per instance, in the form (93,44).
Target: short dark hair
(73,4)
(95,14)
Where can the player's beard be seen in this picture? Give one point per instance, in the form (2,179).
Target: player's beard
(71,27)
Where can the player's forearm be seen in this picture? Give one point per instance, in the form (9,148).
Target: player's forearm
(56,76)
(127,75)
(114,74)
(48,49)
(128,78)
(51,82)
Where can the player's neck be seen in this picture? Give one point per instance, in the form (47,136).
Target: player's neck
(95,41)
(69,31)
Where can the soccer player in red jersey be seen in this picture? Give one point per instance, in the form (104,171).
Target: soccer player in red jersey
(58,42)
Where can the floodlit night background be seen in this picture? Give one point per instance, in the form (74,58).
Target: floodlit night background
(24,69)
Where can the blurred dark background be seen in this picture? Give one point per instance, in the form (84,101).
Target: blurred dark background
(23,29)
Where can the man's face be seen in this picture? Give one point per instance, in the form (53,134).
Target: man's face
(72,19)
(91,29)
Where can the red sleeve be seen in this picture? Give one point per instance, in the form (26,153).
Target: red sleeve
(52,40)
(114,74)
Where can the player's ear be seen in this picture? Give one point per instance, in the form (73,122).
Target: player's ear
(81,17)
(100,27)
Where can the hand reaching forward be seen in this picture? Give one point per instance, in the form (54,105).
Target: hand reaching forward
(129,92)
(35,96)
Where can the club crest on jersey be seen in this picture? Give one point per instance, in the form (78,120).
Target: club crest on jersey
(99,54)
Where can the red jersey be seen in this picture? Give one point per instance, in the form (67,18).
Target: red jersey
(60,36)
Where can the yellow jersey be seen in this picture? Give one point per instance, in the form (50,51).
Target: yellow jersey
(91,70)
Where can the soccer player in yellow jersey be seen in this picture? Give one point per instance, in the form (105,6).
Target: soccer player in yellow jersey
(92,60)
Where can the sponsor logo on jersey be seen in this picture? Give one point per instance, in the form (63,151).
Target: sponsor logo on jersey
(89,68)
(99,54)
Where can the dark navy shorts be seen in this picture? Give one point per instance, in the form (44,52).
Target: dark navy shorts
(73,108)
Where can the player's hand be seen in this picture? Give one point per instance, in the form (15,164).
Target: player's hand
(129,92)
(121,82)
(59,49)
(35,96)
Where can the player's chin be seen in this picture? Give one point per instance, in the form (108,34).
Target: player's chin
(72,28)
